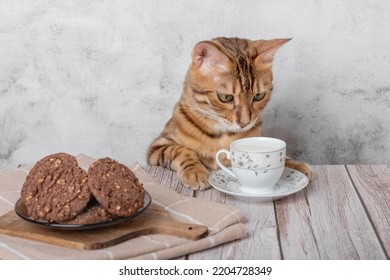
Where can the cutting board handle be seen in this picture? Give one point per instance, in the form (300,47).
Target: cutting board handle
(189,231)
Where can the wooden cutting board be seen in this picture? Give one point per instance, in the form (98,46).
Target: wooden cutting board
(154,220)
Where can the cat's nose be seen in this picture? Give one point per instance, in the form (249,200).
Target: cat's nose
(243,116)
(243,124)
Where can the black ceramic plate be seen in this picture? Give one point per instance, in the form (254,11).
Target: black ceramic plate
(21,211)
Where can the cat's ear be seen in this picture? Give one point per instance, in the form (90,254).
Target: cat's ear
(208,57)
(266,50)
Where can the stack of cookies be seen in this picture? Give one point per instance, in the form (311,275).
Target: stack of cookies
(57,190)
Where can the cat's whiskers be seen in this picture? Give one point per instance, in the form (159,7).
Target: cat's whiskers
(205,113)
(222,124)
(259,118)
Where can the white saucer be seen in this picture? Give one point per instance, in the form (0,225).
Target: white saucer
(292,181)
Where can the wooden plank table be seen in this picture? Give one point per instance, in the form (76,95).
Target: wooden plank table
(344,213)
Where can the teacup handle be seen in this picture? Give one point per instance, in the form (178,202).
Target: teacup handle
(228,156)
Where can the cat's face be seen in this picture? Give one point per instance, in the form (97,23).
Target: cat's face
(230,81)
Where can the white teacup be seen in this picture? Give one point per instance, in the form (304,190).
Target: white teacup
(257,163)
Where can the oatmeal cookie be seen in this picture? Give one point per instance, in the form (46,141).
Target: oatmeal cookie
(116,187)
(92,215)
(56,189)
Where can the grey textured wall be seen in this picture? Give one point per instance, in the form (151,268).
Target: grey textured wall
(101,77)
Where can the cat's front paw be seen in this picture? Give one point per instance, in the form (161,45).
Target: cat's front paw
(195,178)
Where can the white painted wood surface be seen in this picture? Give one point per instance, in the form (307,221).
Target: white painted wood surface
(344,213)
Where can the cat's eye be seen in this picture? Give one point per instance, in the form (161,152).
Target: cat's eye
(259,96)
(225,97)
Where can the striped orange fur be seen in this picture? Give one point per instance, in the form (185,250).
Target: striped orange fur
(228,84)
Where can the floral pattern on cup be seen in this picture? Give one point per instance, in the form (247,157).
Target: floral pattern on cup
(290,180)
(264,161)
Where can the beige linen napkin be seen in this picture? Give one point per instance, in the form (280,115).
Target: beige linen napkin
(224,222)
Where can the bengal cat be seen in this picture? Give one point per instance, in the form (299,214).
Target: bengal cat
(228,84)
